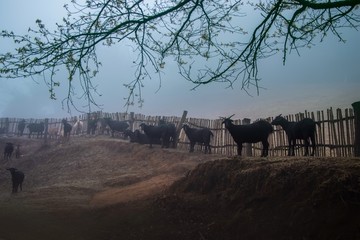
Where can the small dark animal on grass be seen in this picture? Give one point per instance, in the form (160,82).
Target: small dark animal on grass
(129,134)
(138,137)
(165,132)
(8,150)
(198,135)
(170,137)
(67,129)
(17,178)
(102,126)
(91,126)
(303,130)
(36,128)
(116,126)
(153,133)
(258,131)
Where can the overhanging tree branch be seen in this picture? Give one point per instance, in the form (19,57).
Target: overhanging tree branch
(206,38)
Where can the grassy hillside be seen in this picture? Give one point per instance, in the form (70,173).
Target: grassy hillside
(104,188)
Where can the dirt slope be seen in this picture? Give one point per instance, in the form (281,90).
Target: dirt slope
(103,188)
(301,198)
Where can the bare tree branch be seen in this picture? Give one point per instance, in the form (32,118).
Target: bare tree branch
(206,38)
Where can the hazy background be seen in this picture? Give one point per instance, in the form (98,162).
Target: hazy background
(327,75)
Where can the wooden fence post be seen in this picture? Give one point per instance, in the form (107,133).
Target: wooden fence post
(46,131)
(248,149)
(6,125)
(179,127)
(356,106)
(132,121)
(88,118)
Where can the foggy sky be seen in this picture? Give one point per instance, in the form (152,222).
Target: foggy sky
(327,75)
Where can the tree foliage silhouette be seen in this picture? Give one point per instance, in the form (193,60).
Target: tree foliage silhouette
(188,32)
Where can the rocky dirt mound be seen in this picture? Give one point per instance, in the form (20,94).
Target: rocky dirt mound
(300,198)
(104,188)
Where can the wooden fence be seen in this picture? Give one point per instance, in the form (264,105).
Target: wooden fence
(335,132)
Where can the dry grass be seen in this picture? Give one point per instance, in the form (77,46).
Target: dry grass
(103,188)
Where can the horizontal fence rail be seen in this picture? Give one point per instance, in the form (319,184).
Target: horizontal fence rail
(335,131)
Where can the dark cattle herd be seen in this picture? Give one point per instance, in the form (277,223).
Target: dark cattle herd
(166,135)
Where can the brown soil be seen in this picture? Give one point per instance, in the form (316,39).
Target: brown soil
(104,188)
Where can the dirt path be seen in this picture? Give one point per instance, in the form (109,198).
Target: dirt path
(135,192)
